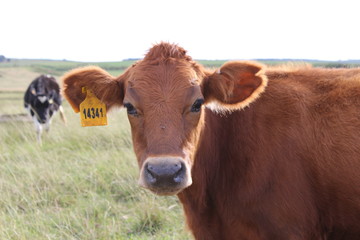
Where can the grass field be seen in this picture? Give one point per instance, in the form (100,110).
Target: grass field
(81,184)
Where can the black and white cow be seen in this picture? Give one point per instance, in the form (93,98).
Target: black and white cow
(42,99)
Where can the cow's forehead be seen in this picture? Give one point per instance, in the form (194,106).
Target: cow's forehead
(166,74)
(166,78)
(167,84)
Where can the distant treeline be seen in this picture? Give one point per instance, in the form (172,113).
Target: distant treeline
(3,58)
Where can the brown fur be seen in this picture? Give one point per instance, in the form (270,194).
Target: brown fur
(281,161)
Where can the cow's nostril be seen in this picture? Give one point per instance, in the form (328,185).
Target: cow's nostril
(179,176)
(177,167)
(152,170)
(150,173)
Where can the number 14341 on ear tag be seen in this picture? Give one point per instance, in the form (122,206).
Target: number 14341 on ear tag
(92,110)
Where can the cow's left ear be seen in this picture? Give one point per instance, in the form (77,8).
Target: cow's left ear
(108,89)
(234,86)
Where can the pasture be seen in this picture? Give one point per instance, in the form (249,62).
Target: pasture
(82,183)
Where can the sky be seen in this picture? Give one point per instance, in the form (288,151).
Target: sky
(113,30)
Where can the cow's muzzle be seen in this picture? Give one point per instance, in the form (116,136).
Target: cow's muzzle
(165,175)
(42,121)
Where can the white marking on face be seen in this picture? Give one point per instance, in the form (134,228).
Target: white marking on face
(42,99)
(218,71)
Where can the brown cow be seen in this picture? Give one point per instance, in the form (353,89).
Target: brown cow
(276,155)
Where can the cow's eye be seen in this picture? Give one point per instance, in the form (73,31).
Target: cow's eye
(130,109)
(197,105)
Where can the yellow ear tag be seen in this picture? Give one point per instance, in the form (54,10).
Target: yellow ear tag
(92,110)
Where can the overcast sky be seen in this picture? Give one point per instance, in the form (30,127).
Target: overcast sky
(113,30)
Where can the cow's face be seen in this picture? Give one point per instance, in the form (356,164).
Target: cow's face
(164,103)
(41,106)
(164,96)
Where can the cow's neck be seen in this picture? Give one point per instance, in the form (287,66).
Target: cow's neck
(224,165)
(225,150)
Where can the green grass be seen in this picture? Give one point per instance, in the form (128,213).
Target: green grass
(81,184)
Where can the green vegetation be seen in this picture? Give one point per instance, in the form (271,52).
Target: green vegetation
(81,184)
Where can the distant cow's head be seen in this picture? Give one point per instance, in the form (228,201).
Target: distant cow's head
(164,96)
(42,107)
(40,96)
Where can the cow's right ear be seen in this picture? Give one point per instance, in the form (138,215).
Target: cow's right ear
(108,89)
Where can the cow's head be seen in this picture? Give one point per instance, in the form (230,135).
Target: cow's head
(42,106)
(164,95)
